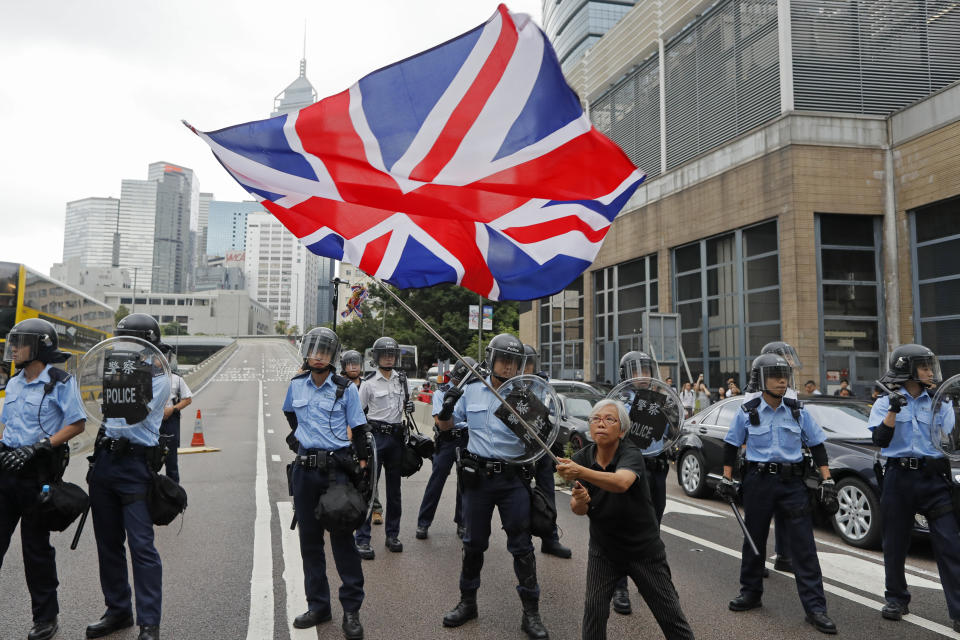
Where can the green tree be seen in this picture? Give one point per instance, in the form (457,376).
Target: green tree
(173,329)
(280,328)
(121,313)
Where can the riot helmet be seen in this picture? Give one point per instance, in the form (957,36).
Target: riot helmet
(322,344)
(786,351)
(33,339)
(637,364)
(532,362)
(913,362)
(460,370)
(385,348)
(140,325)
(351,362)
(769,367)
(507,349)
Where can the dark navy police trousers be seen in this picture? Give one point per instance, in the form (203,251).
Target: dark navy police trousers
(444,457)
(389,449)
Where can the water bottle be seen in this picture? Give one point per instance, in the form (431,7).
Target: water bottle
(45,494)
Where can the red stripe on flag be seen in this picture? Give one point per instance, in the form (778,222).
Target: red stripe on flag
(373,254)
(552,228)
(465,113)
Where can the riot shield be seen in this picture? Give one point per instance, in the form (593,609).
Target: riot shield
(122,382)
(656,413)
(943,424)
(536,402)
(369,493)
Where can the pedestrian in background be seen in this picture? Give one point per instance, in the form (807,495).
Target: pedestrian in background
(688,398)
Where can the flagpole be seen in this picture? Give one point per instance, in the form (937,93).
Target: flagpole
(459,357)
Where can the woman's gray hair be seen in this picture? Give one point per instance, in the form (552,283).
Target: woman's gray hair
(622,414)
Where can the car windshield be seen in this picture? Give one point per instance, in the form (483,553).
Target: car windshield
(847,420)
(580,406)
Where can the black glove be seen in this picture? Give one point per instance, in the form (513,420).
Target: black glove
(408,407)
(897,402)
(449,402)
(827,495)
(6,460)
(293,443)
(16,459)
(727,490)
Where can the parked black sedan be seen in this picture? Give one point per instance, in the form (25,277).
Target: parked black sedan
(849,447)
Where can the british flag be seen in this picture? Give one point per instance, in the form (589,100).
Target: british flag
(472,163)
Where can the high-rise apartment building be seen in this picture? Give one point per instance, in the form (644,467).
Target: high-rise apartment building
(281,273)
(89,229)
(135,226)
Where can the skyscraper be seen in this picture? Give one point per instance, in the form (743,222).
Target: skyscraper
(573,26)
(227,226)
(135,226)
(88,232)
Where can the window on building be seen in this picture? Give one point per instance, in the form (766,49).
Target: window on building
(727,292)
(561,332)
(851,301)
(621,294)
(935,242)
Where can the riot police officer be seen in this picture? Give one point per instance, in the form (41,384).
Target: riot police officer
(916,476)
(385,398)
(545,467)
(41,412)
(324,411)
(493,481)
(444,455)
(351,367)
(773,481)
(122,467)
(180,398)
(638,364)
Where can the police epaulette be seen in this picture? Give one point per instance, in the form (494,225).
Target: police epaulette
(59,375)
(750,408)
(302,374)
(369,374)
(342,383)
(795,406)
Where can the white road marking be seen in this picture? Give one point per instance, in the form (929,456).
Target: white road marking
(275,458)
(682,507)
(293,573)
(827,586)
(269,430)
(863,574)
(216,375)
(260,622)
(268,415)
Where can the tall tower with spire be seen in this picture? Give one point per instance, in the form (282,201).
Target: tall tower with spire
(299,93)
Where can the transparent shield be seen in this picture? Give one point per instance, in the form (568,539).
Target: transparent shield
(656,413)
(123,381)
(943,425)
(537,403)
(371,494)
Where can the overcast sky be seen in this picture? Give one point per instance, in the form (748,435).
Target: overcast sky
(93,91)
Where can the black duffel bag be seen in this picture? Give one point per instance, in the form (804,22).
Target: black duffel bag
(410,460)
(543,516)
(165,500)
(56,510)
(341,508)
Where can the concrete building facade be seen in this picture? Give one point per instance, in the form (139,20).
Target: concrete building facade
(802,185)
(229,313)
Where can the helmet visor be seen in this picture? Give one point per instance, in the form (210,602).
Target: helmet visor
(352,358)
(788,353)
(137,333)
(387,357)
(776,379)
(506,364)
(325,348)
(926,370)
(640,368)
(21,347)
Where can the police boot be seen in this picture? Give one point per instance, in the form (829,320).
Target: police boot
(352,629)
(531,624)
(465,610)
(149,632)
(554,548)
(108,624)
(43,630)
(621,602)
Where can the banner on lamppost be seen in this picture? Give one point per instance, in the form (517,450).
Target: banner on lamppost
(487,318)
(474,321)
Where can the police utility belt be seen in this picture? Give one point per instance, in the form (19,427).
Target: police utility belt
(123,447)
(386,428)
(930,466)
(788,469)
(658,463)
(451,434)
(315,459)
(490,467)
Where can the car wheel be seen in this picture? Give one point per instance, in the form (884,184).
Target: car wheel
(858,520)
(576,441)
(692,474)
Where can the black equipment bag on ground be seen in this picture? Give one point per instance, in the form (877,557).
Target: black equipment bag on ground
(543,517)
(64,504)
(165,500)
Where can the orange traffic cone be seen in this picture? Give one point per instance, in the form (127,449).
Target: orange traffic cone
(198,432)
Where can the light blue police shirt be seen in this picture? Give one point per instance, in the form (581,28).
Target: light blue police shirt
(778,437)
(147,431)
(489,437)
(321,419)
(437,398)
(25,401)
(911,435)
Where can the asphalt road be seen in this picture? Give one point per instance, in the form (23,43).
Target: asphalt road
(232,568)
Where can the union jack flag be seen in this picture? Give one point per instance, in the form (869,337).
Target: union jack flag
(472,163)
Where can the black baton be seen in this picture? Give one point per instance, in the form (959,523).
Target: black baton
(76,536)
(743,525)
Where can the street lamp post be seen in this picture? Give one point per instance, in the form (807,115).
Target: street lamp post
(336,297)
